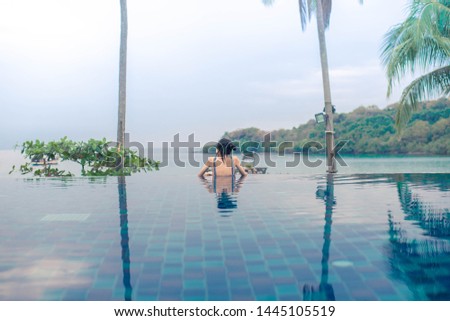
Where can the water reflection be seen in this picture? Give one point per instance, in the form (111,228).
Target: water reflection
(225,188)
(435,222)
(325,290)
(124,238)
(422,262)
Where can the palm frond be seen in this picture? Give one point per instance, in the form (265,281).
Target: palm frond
(326,8)
(268,2)
(304,9)
(307,9)
(311,8)
(421,41)
(435,83)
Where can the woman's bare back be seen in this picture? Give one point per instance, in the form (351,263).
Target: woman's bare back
(223,167)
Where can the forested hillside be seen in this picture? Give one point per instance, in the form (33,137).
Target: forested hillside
(370,130)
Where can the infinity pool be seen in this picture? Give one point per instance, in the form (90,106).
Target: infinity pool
(269,237)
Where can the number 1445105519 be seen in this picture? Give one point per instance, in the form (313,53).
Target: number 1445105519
(296,311)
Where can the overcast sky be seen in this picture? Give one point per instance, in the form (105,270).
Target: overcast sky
(197,66)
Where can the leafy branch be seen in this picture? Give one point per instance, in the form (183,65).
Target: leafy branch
(96,157)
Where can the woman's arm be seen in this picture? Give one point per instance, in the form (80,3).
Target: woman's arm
(205,168)
(241,169)
(239,182)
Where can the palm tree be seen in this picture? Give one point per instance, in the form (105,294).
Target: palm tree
(322,8)
(122,76)
(422,41)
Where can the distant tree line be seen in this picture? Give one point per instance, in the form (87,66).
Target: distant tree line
(370,130)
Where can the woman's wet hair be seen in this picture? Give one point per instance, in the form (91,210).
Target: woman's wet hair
(225,147)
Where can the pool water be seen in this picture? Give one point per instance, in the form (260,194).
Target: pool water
(268,237)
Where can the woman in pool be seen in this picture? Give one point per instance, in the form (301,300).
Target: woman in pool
(224,163)
(223,167)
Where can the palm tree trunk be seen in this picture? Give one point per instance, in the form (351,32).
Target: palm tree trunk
(329,130)
(122,75)
(124,237)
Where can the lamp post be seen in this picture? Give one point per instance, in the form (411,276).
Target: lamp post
(320,118)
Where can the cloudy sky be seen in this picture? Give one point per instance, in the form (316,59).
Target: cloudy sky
(197,66)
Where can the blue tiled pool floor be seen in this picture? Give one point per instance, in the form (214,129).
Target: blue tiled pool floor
(286,237)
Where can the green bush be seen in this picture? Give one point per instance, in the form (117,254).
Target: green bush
(96,157)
